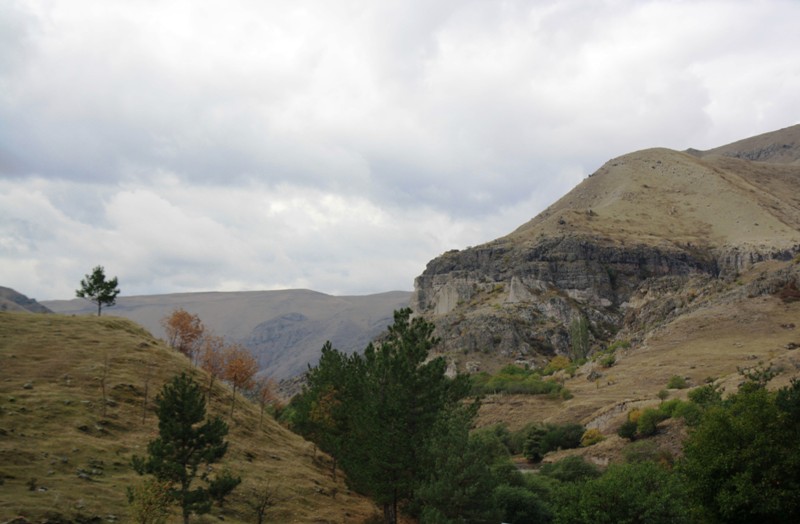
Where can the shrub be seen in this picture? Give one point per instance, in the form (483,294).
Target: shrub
(591,437)
(516,381)
(543,439)
(570,469)
(647,451)
(677,382)
(608,361)
(619,344)
(627,430)
(149,501)
(647,425)
(669,407)
(556,364)
(690,412)
(706,396)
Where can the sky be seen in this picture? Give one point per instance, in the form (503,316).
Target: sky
(208,145)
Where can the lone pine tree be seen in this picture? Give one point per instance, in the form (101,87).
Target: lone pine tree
(97,289)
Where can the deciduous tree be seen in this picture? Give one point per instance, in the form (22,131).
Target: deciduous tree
(742,461)
(212,358)
(184,332)
(97,289)
(240,368)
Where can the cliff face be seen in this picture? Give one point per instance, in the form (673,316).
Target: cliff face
(642,236)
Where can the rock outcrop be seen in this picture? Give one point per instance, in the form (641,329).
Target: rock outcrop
(640,238)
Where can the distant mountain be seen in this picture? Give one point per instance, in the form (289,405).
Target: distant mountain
(689,261)
(286,329)
(11,300)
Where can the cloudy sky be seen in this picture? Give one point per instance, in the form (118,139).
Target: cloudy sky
(192,145)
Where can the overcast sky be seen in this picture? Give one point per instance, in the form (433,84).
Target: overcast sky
(340,145)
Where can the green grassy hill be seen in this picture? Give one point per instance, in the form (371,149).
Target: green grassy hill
(65,452)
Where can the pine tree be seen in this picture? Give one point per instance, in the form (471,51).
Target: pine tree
(95,288)
(377,412)
(183,444)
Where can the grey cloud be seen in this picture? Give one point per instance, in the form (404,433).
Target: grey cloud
(340,145)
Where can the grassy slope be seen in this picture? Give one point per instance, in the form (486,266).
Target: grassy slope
(56,429)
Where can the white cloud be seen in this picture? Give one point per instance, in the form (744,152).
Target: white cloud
(341,145)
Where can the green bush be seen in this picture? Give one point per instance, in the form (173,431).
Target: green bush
(520,506)
(706,396)
(608,361)
(543,439)
(669,407)
(516,381)
(647,425)
(677,382)
(619,344)
(690,412)
(570,469)
(627,430)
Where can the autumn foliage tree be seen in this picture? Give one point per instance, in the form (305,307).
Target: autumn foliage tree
(184,332)
(240,368)
(212,358)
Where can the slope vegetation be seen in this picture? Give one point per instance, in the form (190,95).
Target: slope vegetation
(73,413)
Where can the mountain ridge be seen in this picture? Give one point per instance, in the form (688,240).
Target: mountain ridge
(250,318)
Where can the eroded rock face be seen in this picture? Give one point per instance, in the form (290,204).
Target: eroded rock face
(587,272)
(518,301)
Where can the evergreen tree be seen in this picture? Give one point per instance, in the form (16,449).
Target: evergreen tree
(403,396)
(95,288)
(376,412)
(459,476)
(185,442)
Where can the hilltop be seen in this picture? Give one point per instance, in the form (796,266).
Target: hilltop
(65,455)
(687,262)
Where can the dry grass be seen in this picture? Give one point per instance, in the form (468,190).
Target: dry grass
(667,198)
(57,437)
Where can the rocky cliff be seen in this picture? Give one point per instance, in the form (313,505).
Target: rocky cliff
(641,237)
